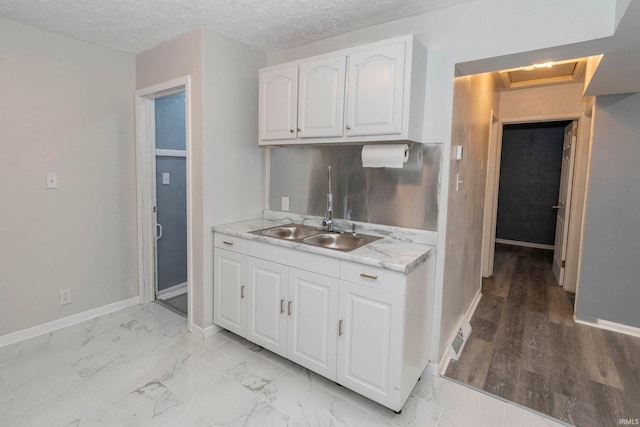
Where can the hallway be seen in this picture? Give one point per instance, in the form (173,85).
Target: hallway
(525,347)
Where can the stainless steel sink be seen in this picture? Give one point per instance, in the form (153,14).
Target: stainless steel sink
(313,236)
(340,242)
(289,232)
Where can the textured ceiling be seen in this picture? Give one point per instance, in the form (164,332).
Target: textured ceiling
(134,26)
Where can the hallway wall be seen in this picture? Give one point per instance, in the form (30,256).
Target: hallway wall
(609,288)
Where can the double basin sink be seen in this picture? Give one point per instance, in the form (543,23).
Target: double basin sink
(312,236)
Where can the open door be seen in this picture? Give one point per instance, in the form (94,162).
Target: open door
(564,201)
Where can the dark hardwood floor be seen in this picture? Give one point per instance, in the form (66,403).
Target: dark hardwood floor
(525,347)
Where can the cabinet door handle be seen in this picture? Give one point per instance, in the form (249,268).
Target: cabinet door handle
(290,130)
(368,276)
(348,127)
(242,291)
(227,243)
(339,328)
(281,306)
(289,308)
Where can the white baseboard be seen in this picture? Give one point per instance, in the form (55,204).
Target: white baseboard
(206,332)
(524,244)
(446,357)
(612,326)
(64,322)
(174,291)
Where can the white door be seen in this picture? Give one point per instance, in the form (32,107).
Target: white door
(278,103)
(229,310)
(321,98)
(375,91)
(313,321)
(370,344)
(564,201)
(266,301)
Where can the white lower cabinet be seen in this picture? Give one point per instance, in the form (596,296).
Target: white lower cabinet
(266,299)
(370,342)
(313,311)
(230,274)
(364,327)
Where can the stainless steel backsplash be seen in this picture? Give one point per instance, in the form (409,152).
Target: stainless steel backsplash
(406,197)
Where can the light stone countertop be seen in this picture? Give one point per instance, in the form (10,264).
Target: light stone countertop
(388,253)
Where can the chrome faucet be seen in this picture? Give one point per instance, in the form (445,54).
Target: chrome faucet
(328,214)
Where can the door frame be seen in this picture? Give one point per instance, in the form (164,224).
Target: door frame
(145,182)
(574,240)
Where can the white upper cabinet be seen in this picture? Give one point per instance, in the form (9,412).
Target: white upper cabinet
(321,98)
(366,93)
(278,103)
(376,90)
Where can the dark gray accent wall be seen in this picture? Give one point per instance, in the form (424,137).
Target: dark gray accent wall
(171,199)
(609,287)
(530,167)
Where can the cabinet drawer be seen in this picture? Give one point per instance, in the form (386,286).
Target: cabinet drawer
(230,243)
(379,278)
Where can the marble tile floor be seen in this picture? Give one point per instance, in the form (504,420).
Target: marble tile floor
(140,367)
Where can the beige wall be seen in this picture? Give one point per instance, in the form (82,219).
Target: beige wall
(227,164)
(474,99)
(233,166)
(65,106)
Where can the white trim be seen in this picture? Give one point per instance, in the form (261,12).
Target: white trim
(163,152)
(491,196)
(145,147)
(466,319)
(524,244)
(206,332)
(173,291)
(612,326)
(74,319)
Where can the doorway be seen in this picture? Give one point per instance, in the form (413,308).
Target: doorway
(163,140)
(171,202)
(529,189)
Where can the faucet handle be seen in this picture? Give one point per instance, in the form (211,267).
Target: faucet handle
(353,228)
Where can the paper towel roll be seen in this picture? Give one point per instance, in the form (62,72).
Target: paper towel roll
(385,155)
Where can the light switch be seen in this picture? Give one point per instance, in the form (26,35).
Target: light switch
(285,204)
(166,178)
(52,180)
(459,182)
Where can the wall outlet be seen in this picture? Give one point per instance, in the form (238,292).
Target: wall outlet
(65,296)
(285,204)
(166,178)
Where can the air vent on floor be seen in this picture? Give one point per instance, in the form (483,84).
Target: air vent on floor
(459,340)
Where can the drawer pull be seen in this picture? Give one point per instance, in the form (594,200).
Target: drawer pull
(242,291)
(368,276)
(281,306)
(227,243)
(339,328)
(289,308)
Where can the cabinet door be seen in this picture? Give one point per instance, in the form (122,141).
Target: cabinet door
(370,344)
(376,91)
(278,101)
(229,309)
(313,321)
(266,301)
(321,98)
